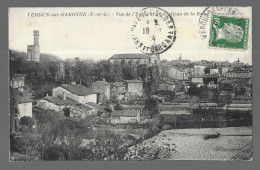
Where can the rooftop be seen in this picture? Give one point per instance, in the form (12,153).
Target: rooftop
(119,84)
(21,97)
(130,56)
(134,81)
(59,100)
(206,76)
(100,86)
(78,89)
(102,82)
(176,112)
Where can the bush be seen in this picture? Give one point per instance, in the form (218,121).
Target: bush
(55,153)
(27,121)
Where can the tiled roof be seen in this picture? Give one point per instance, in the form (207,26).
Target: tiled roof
(119,84)
(78,89)
(134,81)
(124,113)
(104,83)
(175,112)
(100,86)
(226,81)
(22,97)
(59,100)
(82,107)
(130,56)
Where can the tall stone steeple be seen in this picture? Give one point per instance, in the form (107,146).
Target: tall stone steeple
(33,51)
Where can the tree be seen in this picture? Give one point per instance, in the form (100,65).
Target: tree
(128,73)
(193,100)
(151,105)
(193,90)
(225,100)
(26,121)
(13,104)
(207,70)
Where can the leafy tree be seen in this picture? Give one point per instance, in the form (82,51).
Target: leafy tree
(13,104)
(193,100)
(193,90)
(151,105)
(225,100)
(26,121)
(128,72)
(207,70)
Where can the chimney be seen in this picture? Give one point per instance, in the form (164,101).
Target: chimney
(64,96)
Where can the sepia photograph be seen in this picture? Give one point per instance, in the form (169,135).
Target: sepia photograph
(130,83)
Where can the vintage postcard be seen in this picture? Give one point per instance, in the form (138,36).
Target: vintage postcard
(130,83)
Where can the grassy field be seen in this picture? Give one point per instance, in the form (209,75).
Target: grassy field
(189,144)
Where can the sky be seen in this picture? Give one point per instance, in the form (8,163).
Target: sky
(99,37)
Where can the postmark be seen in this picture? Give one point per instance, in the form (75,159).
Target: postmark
(154,31)
(229,32)
(206,15)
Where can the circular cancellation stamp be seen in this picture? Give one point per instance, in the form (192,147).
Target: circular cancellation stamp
(154,31)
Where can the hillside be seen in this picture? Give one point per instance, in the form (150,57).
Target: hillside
(44,57)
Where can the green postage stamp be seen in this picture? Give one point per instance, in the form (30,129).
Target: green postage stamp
(229,32)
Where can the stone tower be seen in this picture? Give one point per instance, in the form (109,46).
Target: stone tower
(33,51)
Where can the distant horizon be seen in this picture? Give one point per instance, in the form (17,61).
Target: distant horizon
(98,59)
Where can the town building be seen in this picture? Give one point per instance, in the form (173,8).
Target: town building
(57,103)
(180,61)
(69,107)
(237,63)
(125,116)
(24,104)
(177,74)
(103,89)
(76,92)
(17,82)
(238,74)
(224,70)
(24,107)
(199,69)
(211,80)
(134,87)
(33,51)
(214,71)
(167,86)
(120,89)
(135,59)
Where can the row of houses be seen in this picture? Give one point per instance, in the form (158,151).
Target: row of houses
(76,98)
